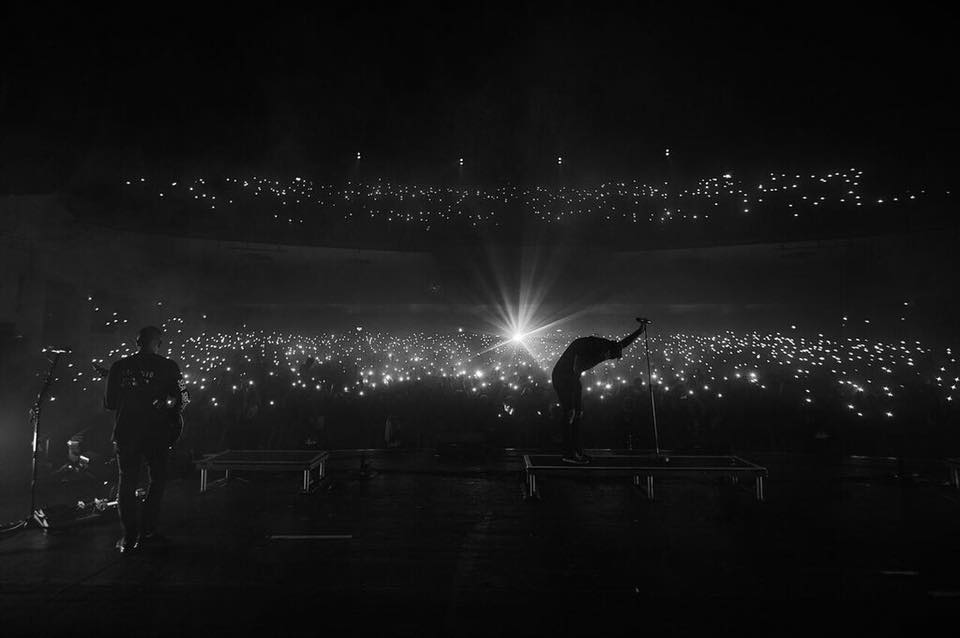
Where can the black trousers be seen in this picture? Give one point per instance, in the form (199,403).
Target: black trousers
(130,458)
(566,383)
(572,444)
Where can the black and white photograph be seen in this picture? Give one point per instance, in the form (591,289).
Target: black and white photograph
(487,319)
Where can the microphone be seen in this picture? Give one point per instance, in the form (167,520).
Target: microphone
(644,320)
(57,349)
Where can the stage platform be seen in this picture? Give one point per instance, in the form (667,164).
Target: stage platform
(643,468)
(309,462)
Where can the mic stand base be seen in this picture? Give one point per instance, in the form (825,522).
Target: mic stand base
(37,520)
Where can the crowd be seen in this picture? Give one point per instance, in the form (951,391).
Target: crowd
(730,391)
(775,205)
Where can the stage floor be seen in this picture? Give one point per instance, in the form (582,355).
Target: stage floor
(411,545)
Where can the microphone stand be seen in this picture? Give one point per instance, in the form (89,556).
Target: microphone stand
(36,517)
(653,404)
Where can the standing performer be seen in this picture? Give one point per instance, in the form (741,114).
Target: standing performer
(148,394)
(581,355)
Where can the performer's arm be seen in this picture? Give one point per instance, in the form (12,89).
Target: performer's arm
(630,338)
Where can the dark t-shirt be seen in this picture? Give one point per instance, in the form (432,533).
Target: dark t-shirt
(147,391)
(588,352)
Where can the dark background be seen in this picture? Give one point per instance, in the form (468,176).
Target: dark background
(508,87)
(92,99)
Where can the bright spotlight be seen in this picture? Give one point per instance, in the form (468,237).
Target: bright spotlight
(518,337)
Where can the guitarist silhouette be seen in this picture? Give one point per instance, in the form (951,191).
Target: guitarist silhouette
(148,394)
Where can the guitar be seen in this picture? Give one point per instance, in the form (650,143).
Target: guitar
(165,406)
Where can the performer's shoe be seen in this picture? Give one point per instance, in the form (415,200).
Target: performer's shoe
(586,456)
(576,459)
(127,547)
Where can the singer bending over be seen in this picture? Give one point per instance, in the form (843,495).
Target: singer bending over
(581,355)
